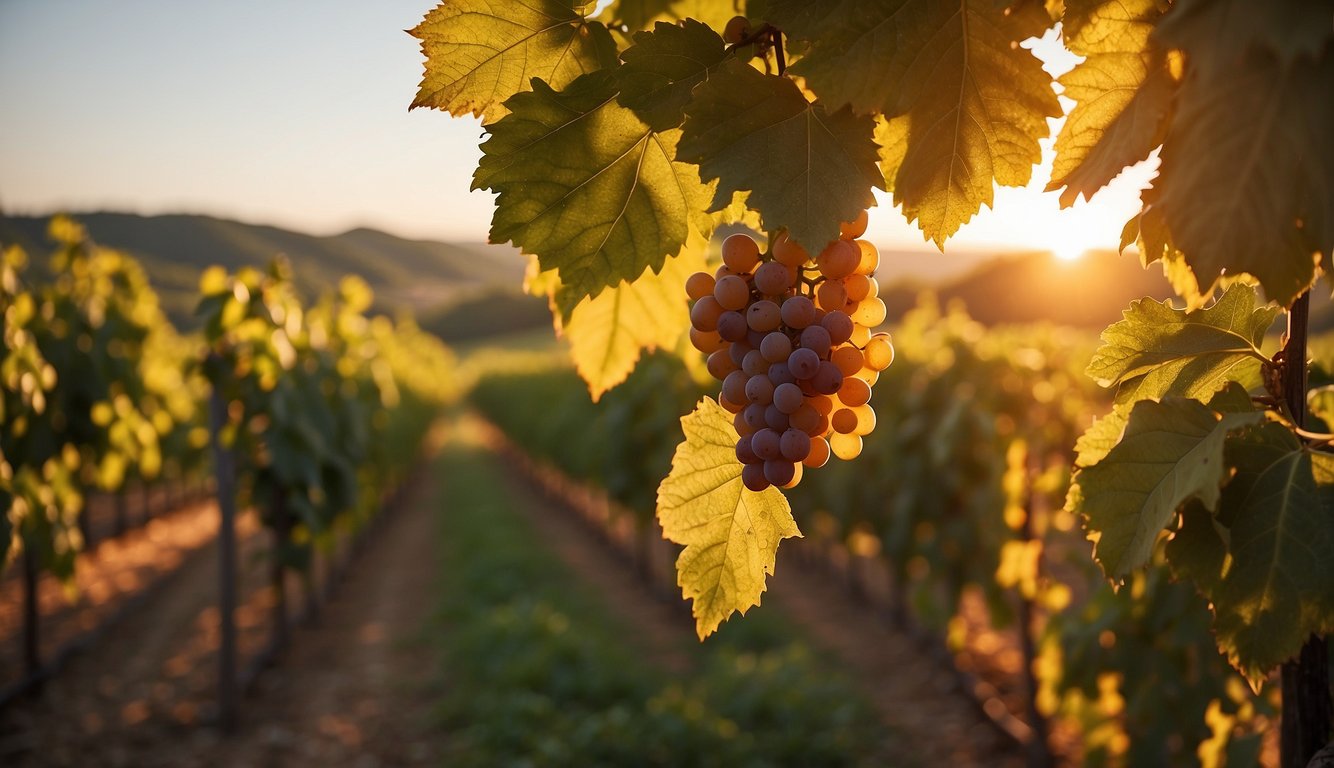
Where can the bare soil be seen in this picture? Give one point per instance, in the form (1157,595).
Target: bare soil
(348,690)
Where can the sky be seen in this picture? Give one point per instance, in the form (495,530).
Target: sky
(295,114)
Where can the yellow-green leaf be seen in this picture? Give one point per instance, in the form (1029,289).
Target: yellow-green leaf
(663,67)
(481,52)
(641,14)
(730,533)
(1275,591)
(976,102)
(1216,32)
(1122,93)
(1101,436)
(608,332)
(1171,453)
(1157,351)
(587,187)
(806,169)
(1246,167)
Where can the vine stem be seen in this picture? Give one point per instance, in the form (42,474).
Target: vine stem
(1306,699)
(779,58)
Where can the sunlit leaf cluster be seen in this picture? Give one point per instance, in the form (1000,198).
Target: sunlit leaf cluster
(615,144)
(96,387)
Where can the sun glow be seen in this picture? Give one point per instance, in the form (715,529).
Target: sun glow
(1068,251)
(1068,240)
(1028,218)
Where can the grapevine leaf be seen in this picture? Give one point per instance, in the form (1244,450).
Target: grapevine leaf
(1171,452)
(976,102)
(608,332)
(730,533)
(1157,351)
(1215,32)
(806,170)
(663,66)
(1320,402)
(1197,550)
(1122,92)
(1101,436)
(892,136)
(1273,594)
(479,53)
(1252,194)
(636,14)
(640,14)
(587,187)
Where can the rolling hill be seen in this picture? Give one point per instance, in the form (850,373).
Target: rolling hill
(1090,292)
(176,248)
(461,290)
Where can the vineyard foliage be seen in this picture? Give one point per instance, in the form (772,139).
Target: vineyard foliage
(959,494)
(325,407)
(616,143)
(96,389)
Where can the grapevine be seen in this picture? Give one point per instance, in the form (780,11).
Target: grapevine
(643,131)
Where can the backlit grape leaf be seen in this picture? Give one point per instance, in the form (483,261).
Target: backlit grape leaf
(738,212)
(1197,550)
(1149,233)
(1246,171)
(976,102)
(641,14)
(1157,351)
(892,136)
(1320,402)
(1122,93)
(1216,32)
(608,332)
(807,170)
(1274,593)
(587,187)
(1101,436)
(663,66)
(1171,452)
(479,53)
(730,533)
(539,283)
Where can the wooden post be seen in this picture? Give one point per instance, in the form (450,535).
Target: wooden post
(224,466)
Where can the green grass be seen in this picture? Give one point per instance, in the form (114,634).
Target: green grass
(539,671)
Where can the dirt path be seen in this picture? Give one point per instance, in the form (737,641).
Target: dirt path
(661,628)
(356,688)
(106,579)
(142,695)
(916,696)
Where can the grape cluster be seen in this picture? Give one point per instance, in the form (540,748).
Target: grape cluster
(789,336)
